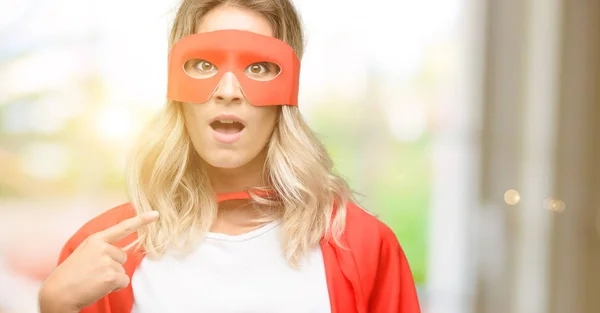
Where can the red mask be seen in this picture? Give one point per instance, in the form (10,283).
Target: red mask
(198,62)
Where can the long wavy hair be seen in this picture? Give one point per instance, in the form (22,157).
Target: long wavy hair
(165,173)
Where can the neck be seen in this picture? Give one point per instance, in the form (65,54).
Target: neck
(236,212)
(250,175)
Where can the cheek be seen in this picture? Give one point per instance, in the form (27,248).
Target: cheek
(193,124)
(266,120)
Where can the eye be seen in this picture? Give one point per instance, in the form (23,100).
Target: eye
(258,68)
(262,71)
(197,68)
(205,66)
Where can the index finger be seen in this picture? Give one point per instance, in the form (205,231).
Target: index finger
(128,226)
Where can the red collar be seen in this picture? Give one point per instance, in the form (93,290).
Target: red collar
(242,195)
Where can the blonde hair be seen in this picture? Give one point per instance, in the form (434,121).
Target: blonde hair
(165,174)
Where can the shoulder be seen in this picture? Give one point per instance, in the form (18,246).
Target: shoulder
(365,228)
(373,246)
(100,222)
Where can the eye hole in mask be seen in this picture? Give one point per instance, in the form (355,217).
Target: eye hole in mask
(259,71)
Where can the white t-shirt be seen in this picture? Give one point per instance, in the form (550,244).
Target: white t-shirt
(228,274)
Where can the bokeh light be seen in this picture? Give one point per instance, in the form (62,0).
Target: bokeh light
(512,197)
(554,205)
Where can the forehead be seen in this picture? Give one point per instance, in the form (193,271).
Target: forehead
(225,17)
(233,46)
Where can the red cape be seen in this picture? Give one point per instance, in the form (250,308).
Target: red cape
(371,276)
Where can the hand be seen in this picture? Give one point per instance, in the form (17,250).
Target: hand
(92,271)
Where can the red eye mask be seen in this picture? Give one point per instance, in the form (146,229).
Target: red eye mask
(198,62)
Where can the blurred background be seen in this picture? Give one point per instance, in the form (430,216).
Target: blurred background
(471,127)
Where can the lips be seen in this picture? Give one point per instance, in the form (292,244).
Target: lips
(227,128)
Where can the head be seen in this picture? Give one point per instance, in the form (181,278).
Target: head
(169,171)
(227,130)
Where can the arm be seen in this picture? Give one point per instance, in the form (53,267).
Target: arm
(49,300)
(51,303)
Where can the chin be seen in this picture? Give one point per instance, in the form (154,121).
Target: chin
(228,160)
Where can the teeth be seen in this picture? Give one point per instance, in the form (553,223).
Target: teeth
(226,121)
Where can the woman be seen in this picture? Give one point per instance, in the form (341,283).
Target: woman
(252,218)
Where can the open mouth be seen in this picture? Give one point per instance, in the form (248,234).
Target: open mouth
(227,126)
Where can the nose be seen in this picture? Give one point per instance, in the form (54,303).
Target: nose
(229,90)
